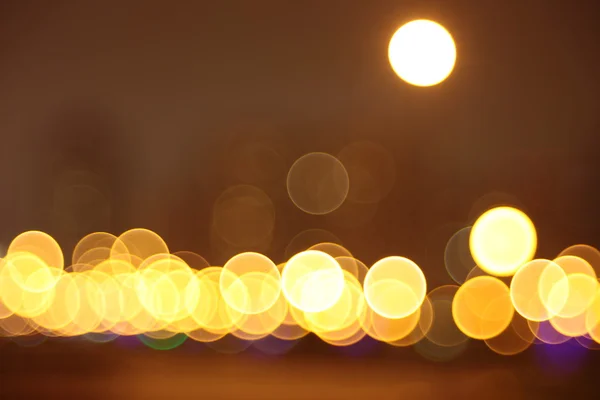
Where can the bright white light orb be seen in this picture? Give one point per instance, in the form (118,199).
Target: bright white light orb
(422,53)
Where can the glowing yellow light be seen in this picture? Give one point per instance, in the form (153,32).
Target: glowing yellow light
(530,289)
(502,240)
(395,287)
(343,313)
(312,281)
(576,298)
(138,242)
(422,53)
(253,286)
(97,240)
(41,244)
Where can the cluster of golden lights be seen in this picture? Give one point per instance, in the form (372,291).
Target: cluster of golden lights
(132,284)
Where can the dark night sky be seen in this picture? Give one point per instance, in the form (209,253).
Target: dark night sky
(150,95)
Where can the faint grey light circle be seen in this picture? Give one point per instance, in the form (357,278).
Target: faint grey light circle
(457,256)
(318,183)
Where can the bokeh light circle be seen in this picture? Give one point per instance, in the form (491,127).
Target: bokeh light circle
(422,53)
(318,183)
(482,307)
(395,287)
(502,240)
(312,281)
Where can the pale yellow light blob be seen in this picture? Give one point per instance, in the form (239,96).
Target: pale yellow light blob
(218,318)
(312,281)
(422,53)
(482,308)
(64,306)
(395,287)
(530,289)
(579,296)
(265,322)
(350,329)
(95,240)
(562,295)
(253,284)
(27,284)
(168,289)
(342,314)
(91,306)
(592,320)
(139,242)
(502,240)
(41,244)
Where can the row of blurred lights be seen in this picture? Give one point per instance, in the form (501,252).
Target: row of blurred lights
(132,285)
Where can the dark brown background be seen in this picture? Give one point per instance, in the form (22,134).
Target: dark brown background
(147,96)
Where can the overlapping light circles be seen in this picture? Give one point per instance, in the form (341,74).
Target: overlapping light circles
(131,285)
(312,281)
(395,287)
(531,286)
(502,240)
(254,284)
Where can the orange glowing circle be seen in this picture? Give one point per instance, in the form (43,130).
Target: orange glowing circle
(194,260)
(41,244)
(482,308)
(97,240)
(592,318)
(586,252)
(139,242)
(388,329)
(333,249)
(423,327)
